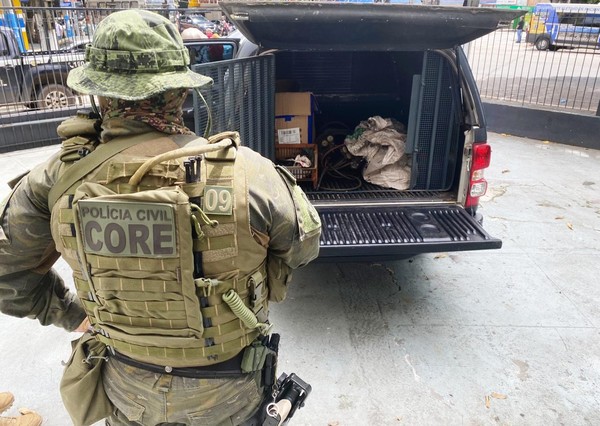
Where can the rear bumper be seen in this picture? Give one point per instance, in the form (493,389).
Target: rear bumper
(400,232)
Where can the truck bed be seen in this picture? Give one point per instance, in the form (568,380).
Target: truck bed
(361,220)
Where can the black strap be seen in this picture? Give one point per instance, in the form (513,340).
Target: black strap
(225,369)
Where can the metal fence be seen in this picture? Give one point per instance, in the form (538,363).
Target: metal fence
(38,46)
(561,78)
(32,38)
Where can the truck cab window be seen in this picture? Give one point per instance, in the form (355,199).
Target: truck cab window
(203,53)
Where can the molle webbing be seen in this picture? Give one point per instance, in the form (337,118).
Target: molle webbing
(140,305)
(214,311)
(221,242)
(183,317)
(223,333)
(146,61)
(175,356)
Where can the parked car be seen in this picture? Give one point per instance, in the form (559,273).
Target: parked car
(196,21)
(360,61)
(35,79)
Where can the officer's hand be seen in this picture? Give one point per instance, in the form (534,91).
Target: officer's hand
(84,326)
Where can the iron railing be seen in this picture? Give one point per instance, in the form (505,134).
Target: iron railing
(38,48)
(53,40)
(560,78)
(50,39)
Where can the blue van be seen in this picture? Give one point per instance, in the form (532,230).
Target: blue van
(564,25)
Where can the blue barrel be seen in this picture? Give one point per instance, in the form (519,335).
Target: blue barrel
(10,21)
(68,26)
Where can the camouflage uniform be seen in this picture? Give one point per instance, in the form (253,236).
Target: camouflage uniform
(28,285)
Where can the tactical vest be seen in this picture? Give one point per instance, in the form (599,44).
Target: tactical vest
(133,251)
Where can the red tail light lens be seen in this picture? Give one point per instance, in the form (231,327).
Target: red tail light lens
(482,154)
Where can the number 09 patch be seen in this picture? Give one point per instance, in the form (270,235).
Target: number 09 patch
(218,200)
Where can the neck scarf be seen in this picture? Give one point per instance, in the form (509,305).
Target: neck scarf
(162,112)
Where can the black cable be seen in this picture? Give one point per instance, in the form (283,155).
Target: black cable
(333,169)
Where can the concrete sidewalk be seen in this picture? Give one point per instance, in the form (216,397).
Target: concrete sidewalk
(506,337)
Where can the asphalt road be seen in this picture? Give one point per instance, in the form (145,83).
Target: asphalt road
(503,337)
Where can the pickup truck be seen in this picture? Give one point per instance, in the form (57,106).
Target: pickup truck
(361,63)
(35,79)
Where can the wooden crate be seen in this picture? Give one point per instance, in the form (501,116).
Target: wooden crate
(286,153)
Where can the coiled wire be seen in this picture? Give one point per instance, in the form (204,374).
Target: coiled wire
(236,304)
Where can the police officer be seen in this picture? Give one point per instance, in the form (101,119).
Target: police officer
(174,266)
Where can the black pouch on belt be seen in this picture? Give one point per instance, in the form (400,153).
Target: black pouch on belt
(262,355)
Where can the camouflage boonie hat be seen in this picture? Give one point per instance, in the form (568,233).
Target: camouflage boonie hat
(135,54)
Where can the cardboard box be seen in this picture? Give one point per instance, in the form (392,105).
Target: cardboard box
(294,117)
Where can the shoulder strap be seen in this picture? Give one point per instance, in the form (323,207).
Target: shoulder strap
(91,161)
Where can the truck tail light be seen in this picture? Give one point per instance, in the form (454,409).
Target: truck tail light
(482,153)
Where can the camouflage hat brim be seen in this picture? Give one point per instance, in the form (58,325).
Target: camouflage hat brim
(132,87)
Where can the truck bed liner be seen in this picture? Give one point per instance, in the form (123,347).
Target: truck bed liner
(370,193)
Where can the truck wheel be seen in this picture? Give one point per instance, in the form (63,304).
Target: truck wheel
(542,43)
(55,96)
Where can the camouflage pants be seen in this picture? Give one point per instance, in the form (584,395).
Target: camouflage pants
(145,398)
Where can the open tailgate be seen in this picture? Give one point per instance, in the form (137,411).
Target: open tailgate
(397,231)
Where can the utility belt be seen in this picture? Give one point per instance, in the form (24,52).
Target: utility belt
(229,368)
(282,397)
(260,355)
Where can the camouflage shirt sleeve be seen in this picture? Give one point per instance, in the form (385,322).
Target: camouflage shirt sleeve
(29,287)
(277,210)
